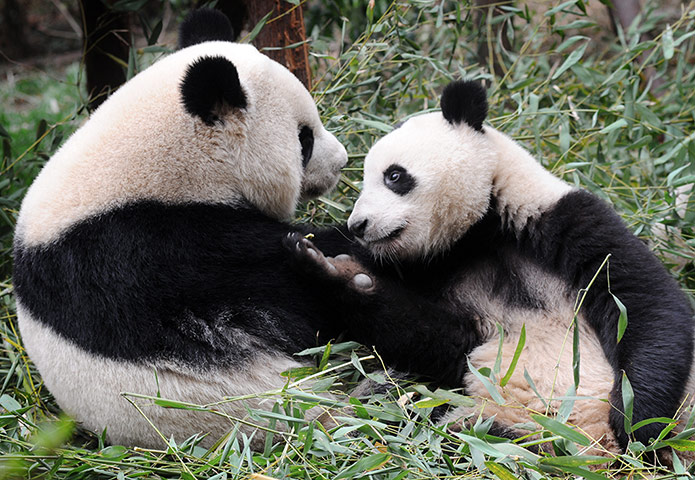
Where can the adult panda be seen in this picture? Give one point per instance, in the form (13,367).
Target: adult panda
(459,213)
(148,253)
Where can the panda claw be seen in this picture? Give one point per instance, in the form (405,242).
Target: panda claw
(342,257)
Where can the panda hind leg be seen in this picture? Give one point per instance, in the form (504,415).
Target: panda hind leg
(341,269)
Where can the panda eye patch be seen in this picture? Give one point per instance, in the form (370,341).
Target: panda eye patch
(398,180)
(306,139)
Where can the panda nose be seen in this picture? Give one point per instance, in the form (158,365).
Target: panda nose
(357,229)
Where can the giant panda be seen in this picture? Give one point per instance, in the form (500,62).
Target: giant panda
(461,214)
(149,253)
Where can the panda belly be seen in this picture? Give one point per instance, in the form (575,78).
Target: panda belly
(540,304)
(547,358)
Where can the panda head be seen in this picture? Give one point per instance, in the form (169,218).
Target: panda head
(429,180)
(214,122)
(258,96)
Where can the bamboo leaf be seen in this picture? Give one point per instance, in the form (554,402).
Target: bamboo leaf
(567,404)
(622,319)
(156,31)
(622,123)
(492,390)
(569,42)
(589,475)
(278,416)
(572,58)
(576,356)
(498,360)
(628,401)
(431,402)
(364,465)
(9,403)
(257,29)
(670,179)
(559,8)
(531,384)
(667,43)
(517,353)
(574,461)
(500,471)
(649,421)
(41,128)
(683,38)
(325,357)
(681,445)
(561,430)
(381,126)
(162,402)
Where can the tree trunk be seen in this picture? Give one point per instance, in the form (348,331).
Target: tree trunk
(105,36)
(286,28)
(13,44)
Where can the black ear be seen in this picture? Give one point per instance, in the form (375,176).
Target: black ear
(210,87)
(204,25)
(465,101)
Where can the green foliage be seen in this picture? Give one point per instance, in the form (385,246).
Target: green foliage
(577,98)
(39,112)
(574,94)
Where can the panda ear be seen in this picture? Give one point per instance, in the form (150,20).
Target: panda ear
(465,101)
(204,25)
(210,87)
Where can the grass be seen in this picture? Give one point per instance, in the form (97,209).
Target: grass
(575,94)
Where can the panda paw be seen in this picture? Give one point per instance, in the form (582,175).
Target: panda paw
(342,268)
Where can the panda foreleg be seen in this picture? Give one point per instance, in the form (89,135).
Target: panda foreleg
(411,332)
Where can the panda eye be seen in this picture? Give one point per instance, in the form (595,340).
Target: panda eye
(306,140)
(394,176)
(398,180)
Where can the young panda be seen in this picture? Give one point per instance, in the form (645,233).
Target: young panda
(462,215)
(148,253)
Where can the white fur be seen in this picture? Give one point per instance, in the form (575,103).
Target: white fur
(141,144)
(522,186)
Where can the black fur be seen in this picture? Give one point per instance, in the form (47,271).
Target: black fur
(306,140)
(213,285)
(204,25)
(465,101)
(357,229)
(398,180)
(210,87)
